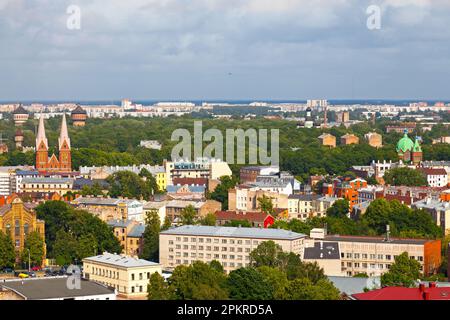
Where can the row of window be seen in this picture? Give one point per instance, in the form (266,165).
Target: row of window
(224,264)
(365,256)
(215,256)
(115,274)
(209,248)
(215,240)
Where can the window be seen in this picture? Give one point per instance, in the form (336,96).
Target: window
(132,289)
(140,276)
(132,278)
(17,228)
(26,229)
(193,240)
(388,257)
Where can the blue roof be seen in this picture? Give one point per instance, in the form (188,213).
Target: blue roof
(195,189)
(27,173)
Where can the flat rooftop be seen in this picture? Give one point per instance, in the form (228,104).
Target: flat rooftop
(235,232)
(117,260)
(53,288)
(376,239)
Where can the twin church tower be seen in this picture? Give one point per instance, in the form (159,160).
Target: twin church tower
(62,163)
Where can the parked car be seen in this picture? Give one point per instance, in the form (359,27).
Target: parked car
(8,270)
(31,274)
(23,275)
(36,268)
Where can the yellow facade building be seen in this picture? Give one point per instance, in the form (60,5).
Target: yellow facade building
(18,219)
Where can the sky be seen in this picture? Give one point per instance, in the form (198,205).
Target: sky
(224,49)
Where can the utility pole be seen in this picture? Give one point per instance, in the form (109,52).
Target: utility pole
(29,261)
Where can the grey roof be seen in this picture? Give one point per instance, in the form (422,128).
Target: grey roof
(103,201)
(193,189)
(120,261)
(137,231)
(376,239)
(353,285)
(54,288)
(119,223)
(233,232)
(322,251)
(304,197)
(48,180)
(432,204)
(7,207)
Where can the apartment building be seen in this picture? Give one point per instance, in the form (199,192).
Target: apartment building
(321,205)
(375,255)
(202,208)
(245,198)
(327,140)
(374,139)
(300,206)
(101,173)
(348,139)
(130,234)
(47,185)
(129,276)
(439,211)
(200,168)
(111,208)
(230,246)
(250,173)
(436,177)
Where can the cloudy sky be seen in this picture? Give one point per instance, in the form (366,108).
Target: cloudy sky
(224,49)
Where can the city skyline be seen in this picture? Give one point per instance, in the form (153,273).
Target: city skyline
(214,50)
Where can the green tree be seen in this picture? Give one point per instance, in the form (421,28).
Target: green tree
(167,224)
(404,177)
(158,288)
(7,252)
(339,209)
(266,254)
(221,192)
(403,272)
(248,284)
(305,289)
(34,245)
(266,204)
(276,280)
(198,281)
(208,220)
(188,215)
(150,249)
(65,248)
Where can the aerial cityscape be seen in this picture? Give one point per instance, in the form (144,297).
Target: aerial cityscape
(214,195)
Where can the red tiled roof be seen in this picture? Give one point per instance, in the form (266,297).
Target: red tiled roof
(190,181)
(434,171)
(233,215)
(401,293)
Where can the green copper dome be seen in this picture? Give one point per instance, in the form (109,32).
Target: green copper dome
(417,147)
(405,144)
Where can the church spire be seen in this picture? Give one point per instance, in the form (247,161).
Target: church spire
(64,134)
(41,134)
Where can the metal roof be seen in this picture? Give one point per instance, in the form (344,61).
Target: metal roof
(234,232)
(54,288)
(120,261)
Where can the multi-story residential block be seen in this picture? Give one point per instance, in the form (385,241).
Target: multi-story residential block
(300,206)
(111,208)
(375,255)
(347,189)
(200,168)
(321,205)
(250,173)
(202,208)
(101,173)
(47,185)
(186,192)
(374,139)
(327,140)
(129,276)
(439,211)
(158,206)
(230,246)
(130,234)
(245,197)
(19,219)
(349,139)
(401,128)
(436,177)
